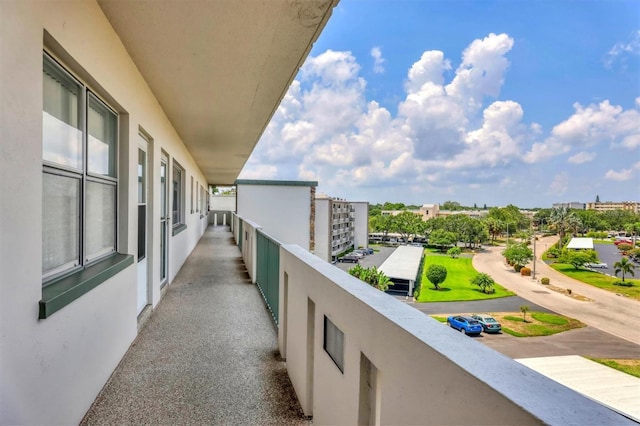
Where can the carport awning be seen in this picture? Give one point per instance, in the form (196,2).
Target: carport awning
(581,244)
(404,263)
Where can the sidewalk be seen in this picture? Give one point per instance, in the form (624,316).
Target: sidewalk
(606,311)
(207,355)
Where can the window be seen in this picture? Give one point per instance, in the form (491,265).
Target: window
(334,343)
(79,179)
(191,194)
(178,196)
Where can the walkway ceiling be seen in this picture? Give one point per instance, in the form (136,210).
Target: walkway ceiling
(219,68)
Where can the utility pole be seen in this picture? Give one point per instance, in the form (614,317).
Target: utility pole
(533,276)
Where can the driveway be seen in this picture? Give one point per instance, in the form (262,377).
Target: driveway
(609,312)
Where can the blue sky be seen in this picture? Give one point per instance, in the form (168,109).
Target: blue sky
(485,102)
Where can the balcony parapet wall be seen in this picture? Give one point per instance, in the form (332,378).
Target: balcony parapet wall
(401,366)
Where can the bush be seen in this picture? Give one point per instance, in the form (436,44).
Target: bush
(526,272)
(624,247)
(517,268)
(623,283)
(545,280)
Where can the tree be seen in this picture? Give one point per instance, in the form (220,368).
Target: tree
(559,220)
(451,205)
(454,252)
(494,226)
(484,281)
(518,254)
(625,267)
(624,247)
(524,309)
(436,274)
(441,238)
(597,198)
(578,258)
(407,224)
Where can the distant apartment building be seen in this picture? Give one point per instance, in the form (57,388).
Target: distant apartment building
(339,226)
(614,205)
(570,205)
(427,211)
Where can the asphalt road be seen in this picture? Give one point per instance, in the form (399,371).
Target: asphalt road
(609,254)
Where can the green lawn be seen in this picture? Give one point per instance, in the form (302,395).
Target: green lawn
(629,366)
(599,280)
(537,324)
(457,286)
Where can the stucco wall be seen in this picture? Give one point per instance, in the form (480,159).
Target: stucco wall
(282,211)
(323,229)
(52,369)
(426,373)
(361,231)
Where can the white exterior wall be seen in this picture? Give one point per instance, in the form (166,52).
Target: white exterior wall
(361,219)
(223,202)
(283,211)
(323,229)
(427,373)
(51,370)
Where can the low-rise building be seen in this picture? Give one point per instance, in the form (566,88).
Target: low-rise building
(614,205)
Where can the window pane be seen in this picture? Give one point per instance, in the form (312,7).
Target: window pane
(61,134)
(142,176)
(102,124)
(177,196)
(101,219)
(60,223)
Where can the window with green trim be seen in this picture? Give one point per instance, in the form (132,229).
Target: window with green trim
(79,176)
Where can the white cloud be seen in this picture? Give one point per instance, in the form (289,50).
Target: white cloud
(560,184)
(620,50)
(449,132)
(378,60)
(625,174)
(590,126)
(582,157)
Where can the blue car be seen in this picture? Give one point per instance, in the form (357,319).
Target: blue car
(466,325)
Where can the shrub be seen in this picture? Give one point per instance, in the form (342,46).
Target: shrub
(545,280)
(623,283)
(624,247)
(526,272)
(517,268)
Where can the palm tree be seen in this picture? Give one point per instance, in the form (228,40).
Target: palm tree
(559,220)
(625,267)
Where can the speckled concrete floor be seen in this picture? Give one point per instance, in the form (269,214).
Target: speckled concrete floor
(207,355)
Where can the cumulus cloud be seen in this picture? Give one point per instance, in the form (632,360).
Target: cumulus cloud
(378,60)
(621,50)
(451,129)
(582,157)
(589,126)
(625,174)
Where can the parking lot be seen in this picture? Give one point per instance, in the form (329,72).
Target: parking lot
(587,341)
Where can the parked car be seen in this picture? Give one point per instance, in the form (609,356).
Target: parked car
(368,250)
(464,324)
(489,324)
(360,251)
(349,258)
(596,265)
(616,242)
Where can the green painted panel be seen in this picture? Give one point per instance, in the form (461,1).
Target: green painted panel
(268,272)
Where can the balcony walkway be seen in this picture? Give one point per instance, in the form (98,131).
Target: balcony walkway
(207,355)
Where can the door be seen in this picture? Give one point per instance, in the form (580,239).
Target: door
(143,292)
(164,219)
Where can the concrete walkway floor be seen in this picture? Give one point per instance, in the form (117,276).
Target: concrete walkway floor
(207,355)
